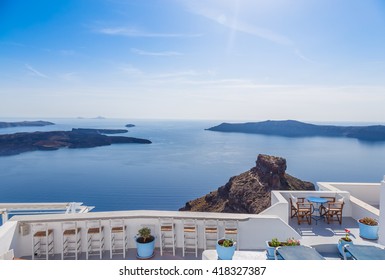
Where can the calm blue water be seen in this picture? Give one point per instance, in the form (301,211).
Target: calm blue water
(184,162)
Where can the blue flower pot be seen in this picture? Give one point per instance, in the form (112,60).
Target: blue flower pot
(145,250)
(270,251)
(368,232)
(225,253)
(340,246)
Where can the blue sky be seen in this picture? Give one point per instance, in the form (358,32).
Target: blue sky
(311,60)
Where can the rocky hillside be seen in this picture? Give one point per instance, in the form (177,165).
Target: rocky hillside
(249,192)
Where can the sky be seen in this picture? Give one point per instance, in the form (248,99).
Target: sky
(233,60)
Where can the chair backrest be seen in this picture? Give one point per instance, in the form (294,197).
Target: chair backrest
(94,224)
(293,201)
(117,225)
(211,225)
(339,199)
(166,224)
(189,224)
(339,202)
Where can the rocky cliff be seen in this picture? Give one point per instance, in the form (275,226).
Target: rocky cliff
(249,192)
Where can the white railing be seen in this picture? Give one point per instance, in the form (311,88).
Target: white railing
(364,197)
(366,192)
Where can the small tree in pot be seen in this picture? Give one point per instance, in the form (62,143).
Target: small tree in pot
(225,248)
(145,243)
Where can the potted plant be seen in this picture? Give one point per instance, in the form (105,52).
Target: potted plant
(292,242)
(225,248)
(343,241)
(368,228)
(270,247)
(145,243)
(274,243)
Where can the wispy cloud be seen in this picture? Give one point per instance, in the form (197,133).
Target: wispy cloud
(231,20)
(69,77)
(177,75)
(131,70)
(132,32)
(304,58)
(35,72)
(165,53)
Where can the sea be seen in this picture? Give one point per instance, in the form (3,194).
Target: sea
(185,161)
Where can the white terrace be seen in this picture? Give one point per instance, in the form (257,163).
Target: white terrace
(251,231)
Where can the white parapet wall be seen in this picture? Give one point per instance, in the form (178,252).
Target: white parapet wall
(253,230)
(364,197)
(280,205)
(366,192)
(381,231)
(8,231)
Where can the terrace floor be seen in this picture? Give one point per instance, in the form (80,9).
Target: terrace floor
(324,237)
(131,255)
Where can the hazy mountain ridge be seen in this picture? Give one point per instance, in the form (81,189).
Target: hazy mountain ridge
(292,128)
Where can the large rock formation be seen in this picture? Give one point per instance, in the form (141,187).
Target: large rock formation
(249,192)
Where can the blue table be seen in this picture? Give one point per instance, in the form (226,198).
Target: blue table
(364,252)
(318,201)
(297,253)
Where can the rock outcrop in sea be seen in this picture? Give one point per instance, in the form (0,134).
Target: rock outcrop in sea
(250,191)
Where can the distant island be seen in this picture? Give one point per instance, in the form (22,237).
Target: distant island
(24,123)
(95,118)
(101,131)
(17,143)
(292,128)
(130,125)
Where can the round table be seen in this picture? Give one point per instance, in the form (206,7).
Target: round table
(315,199)
(319,201)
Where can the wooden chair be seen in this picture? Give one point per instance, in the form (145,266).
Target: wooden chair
(118,237)
(304,211)
(190,237)
(293,205)
(211,234)
(231,231)
(95,238)
(71,239)
(167,235)
(333,211)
